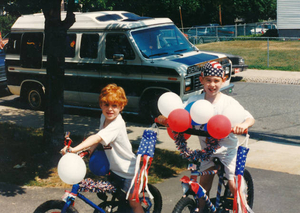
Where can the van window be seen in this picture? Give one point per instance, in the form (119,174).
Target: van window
(118,44)
(14,43)
(89,46)
(161,41)
(70,46)
(31,55)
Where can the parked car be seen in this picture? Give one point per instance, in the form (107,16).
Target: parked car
(3,80)
(203,34)
(238,63)
(226,31)
(263,28)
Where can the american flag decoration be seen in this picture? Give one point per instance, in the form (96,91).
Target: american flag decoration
(146,151)
(240,201)
(213,68)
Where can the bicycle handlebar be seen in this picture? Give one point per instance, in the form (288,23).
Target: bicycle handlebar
(68,142)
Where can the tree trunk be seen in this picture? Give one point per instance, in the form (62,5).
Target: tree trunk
(55,37)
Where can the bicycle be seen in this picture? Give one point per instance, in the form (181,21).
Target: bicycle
(220,203)
(113,198)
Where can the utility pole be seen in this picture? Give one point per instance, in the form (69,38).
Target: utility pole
(181,18)
(220,15)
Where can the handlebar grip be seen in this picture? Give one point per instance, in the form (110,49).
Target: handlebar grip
(245,132)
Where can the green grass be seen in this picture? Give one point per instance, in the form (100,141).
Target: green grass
(24,147)
(283,55)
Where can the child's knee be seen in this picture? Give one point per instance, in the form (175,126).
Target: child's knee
(133,204)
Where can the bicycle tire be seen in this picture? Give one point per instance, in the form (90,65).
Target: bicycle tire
(250,188)
(156,208)
(51,205)
(157,199)
(185,204)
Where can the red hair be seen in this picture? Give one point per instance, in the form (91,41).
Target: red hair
(113,94)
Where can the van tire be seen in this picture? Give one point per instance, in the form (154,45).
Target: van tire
(35,97)
(148,105)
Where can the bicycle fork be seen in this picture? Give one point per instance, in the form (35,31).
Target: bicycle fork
(70,197)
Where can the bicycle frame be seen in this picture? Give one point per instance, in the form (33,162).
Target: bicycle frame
(193,177)
(71,196)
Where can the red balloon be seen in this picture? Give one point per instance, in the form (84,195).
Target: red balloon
(174,134)
(219,126)
(179,120)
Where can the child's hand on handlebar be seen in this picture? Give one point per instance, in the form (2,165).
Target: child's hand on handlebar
(240,129)
(65,150)
(162,120)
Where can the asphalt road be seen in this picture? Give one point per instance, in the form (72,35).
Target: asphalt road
(274,192)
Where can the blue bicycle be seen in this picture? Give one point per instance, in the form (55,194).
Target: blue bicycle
(112,198)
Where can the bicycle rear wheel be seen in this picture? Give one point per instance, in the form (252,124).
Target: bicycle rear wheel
(226,201)
(149,206)
(54,206)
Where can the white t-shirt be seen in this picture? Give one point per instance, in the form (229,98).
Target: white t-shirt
(120,156)
(224,101)
(228,150)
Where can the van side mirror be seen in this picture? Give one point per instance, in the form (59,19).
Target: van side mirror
(118,57)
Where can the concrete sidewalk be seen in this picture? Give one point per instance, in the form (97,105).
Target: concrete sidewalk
(270,76)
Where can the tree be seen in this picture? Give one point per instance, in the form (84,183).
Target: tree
(55,37)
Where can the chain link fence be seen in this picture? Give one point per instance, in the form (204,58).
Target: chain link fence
(259,48)
(215,32)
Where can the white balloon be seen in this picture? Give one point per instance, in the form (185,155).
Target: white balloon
(71,168)
(235,113)
(202,111)
(167,102)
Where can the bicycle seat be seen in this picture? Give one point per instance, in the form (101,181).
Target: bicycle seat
(219,165)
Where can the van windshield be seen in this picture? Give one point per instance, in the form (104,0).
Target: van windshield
(161,41)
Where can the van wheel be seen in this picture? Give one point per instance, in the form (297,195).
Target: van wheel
(148,106)
(35,98)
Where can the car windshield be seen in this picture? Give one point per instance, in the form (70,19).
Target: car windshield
(161,41)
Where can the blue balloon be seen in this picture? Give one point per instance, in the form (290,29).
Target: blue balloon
(99,163)
(188,108)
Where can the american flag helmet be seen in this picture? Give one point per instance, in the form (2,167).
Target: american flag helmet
(213,68)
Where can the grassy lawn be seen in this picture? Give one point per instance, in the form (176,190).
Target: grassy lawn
(283,55)
(25,162)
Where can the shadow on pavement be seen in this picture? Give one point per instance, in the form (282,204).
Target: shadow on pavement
(9,190)
(275,138)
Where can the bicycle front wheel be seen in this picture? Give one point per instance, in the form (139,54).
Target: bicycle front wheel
(54,206)
(185,205)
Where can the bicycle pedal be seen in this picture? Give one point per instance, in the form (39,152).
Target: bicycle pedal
(228,203)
